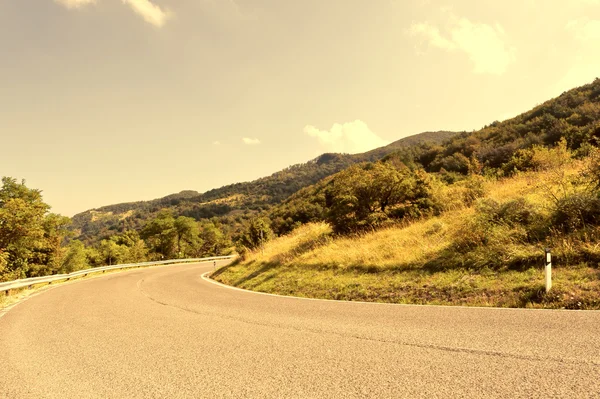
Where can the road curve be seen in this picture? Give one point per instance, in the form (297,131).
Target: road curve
(167,333)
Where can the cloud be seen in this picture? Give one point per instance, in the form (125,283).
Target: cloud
(352,137)
(216,143)
(250,141)
(152,13)
(484,44)
(75,3)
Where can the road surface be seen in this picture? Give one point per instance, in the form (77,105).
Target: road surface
(167,333)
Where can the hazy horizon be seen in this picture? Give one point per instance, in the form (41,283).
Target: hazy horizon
(111,101)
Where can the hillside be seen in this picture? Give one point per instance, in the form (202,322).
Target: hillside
(407,183)
(483,252)
(256,195)
(464,222)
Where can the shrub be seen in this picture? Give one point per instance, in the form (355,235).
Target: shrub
(367,196)
(591,171)
(459,195)
(576,211)
(257,232)
(512,213)
(539,158)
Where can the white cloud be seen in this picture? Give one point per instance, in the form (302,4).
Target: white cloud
(250,141)
(75,3)
(216,143)
(152,13)
(352,137)
(483,43)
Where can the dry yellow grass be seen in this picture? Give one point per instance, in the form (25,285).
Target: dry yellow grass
(406,263)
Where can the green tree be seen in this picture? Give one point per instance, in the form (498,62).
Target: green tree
(76,258)
(3,264)
(187,239)
(213,240)
(256,234)
(48,257)
(133,246)
(112,253)
(138,252)
(160,235)
(365,196)
(22,214)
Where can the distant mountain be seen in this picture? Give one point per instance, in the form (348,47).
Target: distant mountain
(256,195)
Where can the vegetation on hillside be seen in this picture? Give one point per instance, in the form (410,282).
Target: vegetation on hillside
(34,242)
(477,234)
(484,202)
(485,248)
(233,205)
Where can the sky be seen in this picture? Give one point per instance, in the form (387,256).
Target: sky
(109,101)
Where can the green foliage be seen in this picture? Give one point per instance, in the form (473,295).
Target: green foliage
(161,236)
(4,266)
(188,240)
(235,204)
(367,196)
(257,233)
(76,258)
(456,162)
(540,158)
(510,213)
(112,253)
(591,172)
(214,241)
(576,211)
(30,238)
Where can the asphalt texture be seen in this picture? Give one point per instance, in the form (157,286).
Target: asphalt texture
(168,333)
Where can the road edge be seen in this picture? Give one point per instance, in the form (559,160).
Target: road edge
(205,276)
(48,287)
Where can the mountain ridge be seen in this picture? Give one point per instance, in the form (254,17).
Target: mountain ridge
(252,195)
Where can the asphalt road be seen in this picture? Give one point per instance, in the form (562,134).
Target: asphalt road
(167,333)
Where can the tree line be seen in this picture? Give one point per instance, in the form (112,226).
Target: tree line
(409,183)
(35,242)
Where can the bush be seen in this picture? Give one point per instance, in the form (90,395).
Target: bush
(576,211)
(512,213)
(458,195)
(592,170)
(256,234)
(539,158)
(366,196)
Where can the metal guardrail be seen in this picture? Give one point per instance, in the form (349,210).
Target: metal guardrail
(28,282)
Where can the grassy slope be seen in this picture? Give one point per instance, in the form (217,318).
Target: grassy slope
(417,263)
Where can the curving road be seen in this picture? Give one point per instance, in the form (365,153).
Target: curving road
(167,333)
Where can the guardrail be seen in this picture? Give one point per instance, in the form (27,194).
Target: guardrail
(29,282)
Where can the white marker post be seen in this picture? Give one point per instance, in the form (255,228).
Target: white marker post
(548,270)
